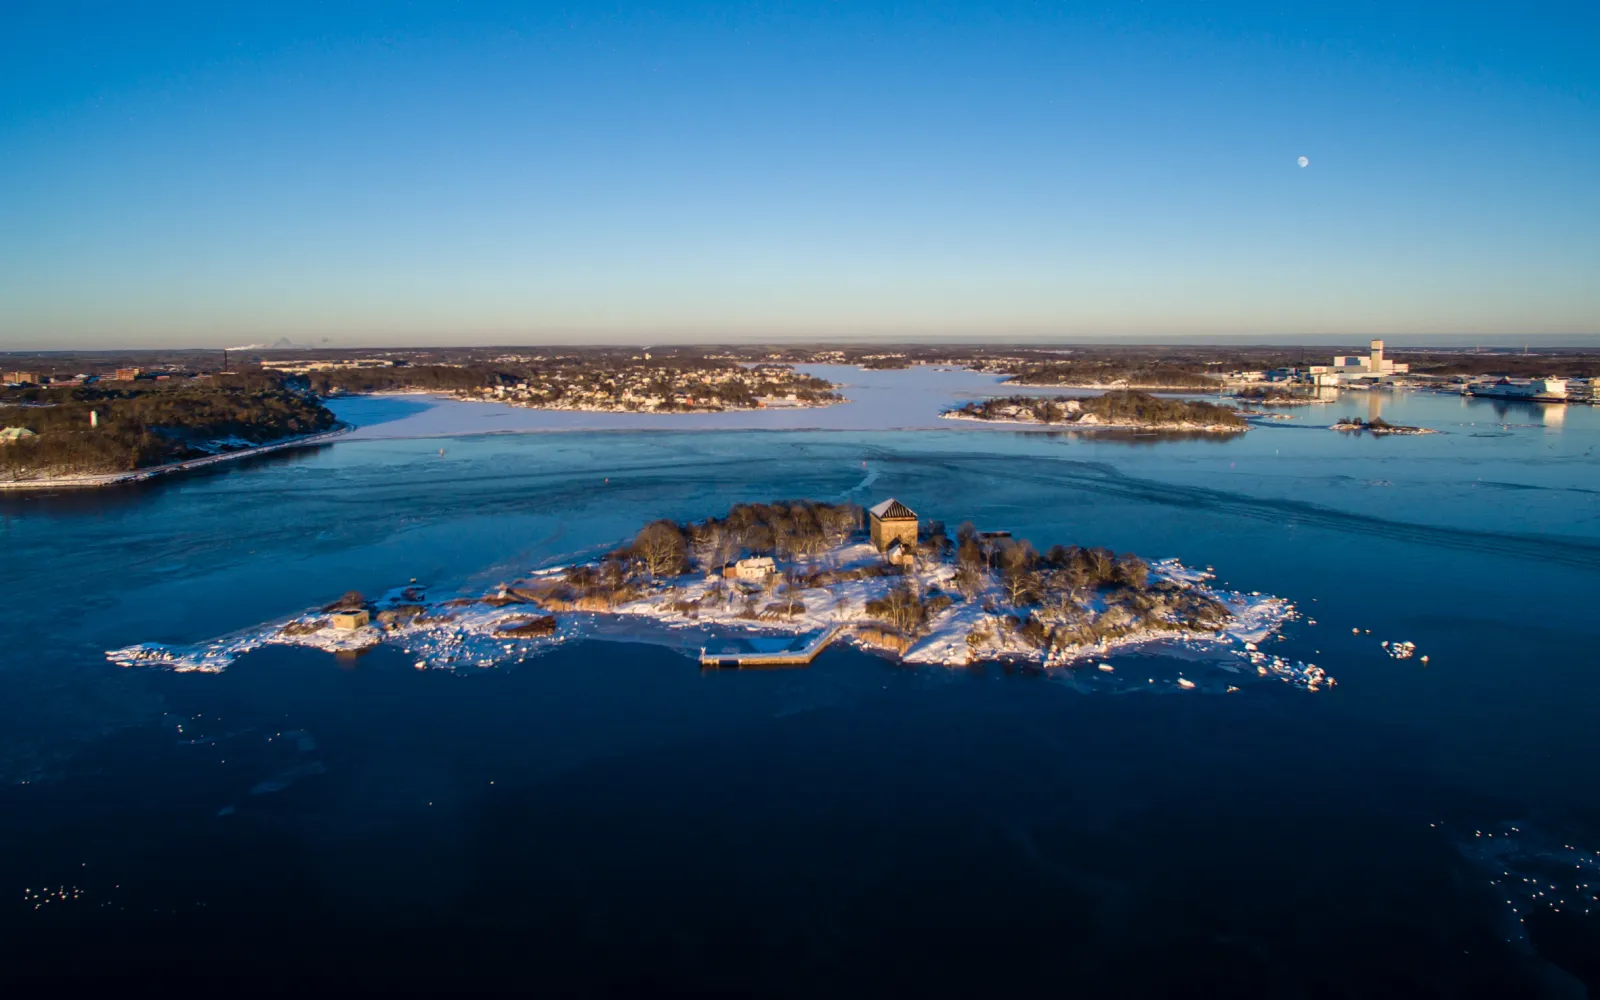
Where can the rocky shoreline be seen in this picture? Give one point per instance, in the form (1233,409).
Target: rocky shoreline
(979,598)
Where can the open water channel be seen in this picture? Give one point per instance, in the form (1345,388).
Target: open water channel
(609,816)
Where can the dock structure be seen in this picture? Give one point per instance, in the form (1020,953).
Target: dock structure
(782,658)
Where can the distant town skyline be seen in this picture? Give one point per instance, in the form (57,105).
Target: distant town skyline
(176,175)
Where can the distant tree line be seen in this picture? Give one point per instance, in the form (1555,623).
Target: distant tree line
(1106,371)
(440,378)
(1117,407)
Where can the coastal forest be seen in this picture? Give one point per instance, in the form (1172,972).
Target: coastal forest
(136,425)
(1119,407)
(1095,372)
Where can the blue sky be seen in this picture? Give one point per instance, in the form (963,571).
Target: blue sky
(476,173)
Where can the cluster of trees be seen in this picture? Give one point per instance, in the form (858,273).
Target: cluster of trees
(1065,574)
(1050,593)
(907,610)
(776,382)
(1377,425)
(1041,408)
(1119,407)
(439,378)
(895,363)
(141,424)
(1105,371)
(1271,394)
(787,529)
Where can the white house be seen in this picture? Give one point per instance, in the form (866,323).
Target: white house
(754,569)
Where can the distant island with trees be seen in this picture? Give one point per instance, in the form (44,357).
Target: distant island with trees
(1120,409)
(1377,426)
(640,383)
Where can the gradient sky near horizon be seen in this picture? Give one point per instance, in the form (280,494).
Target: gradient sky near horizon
(365,173)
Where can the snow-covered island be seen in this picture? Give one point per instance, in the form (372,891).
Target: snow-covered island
(773,584)
(1112,410)
(658,388)
(1377,426)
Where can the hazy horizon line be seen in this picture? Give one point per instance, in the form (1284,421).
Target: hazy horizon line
(1395,341)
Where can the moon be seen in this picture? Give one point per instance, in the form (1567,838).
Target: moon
(1304,161)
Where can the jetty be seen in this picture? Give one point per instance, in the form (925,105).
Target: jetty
(782,658)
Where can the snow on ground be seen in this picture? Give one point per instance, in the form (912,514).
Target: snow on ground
(1091,422)
(692,614)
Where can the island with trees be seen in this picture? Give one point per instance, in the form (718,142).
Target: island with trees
(1378,427)
(106,432)
(1273,395)
(1111,410)
(802,574)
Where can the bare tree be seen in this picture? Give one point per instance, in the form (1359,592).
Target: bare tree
(1100,564)
(1018,557)
(969,579)
(900,607)
(971,555)
(1057,602)
(1021,586)
(661,546)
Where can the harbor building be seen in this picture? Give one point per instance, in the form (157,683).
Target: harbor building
(892,521)
(1540,390)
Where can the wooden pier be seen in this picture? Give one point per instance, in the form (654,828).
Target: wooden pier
(782,658)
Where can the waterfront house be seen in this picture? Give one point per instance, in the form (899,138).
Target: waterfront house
(755,570)
(892,520)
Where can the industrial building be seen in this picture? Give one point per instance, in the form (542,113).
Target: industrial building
(1354,368)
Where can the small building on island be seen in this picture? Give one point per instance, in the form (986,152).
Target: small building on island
(350,619)
(900,554)
(755,569)
(893,521)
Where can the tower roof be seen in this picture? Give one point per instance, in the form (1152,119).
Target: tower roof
(892,510)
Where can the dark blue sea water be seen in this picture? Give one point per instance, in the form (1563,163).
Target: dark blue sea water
(608,817)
